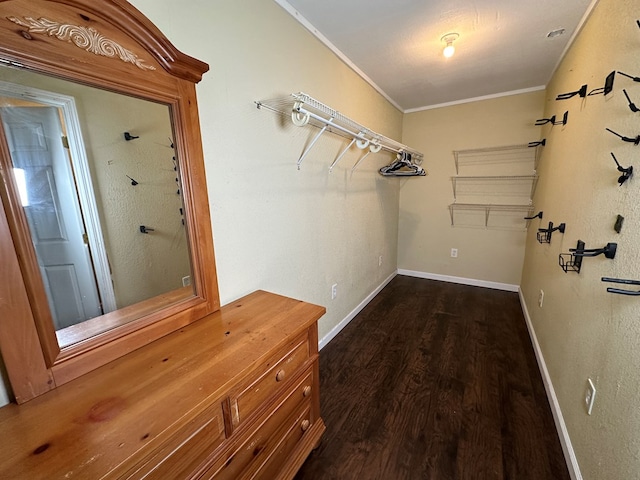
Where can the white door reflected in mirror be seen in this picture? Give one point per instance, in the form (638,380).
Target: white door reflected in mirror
(74,171)
(34,136)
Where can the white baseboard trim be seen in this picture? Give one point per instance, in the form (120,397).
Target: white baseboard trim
(565,440)
(336,330)
(465,281)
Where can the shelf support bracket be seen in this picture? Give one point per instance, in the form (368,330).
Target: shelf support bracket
(313,142)
(360,160)
(342,154)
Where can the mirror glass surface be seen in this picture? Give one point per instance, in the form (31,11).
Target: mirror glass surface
(99,183)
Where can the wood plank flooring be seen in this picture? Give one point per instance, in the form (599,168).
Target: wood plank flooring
(435,381)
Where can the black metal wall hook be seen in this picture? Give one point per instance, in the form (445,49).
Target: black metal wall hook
(635,141)
(632,105)
(635,79)
(569,262)
(609,251)
(144,229)
(582,92)
(544,234)
(133,182)
(617,226)
(128,136)
(552,120)
(627,173)
(608,86)
(621,291)
(537,215)
(542,142)
(572,262)
(542,121)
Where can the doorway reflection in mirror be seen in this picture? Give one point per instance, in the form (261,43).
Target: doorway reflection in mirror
(83,215)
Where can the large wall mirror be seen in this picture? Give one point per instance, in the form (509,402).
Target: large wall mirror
(104,200)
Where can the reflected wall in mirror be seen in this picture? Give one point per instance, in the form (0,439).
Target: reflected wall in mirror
(105,61)
(89,195)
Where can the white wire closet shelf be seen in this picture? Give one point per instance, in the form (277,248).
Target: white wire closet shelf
(497,155)
(305,110)
(489,184)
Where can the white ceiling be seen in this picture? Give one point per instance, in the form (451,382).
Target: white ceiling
(395,44)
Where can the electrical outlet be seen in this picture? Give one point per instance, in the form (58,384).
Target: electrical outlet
(589,396)
(380,261)
(540,298)
(186,281)
(454,253)
(334,291)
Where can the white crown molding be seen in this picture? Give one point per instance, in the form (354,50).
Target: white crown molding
(314,31)
(477,99)
(575,34)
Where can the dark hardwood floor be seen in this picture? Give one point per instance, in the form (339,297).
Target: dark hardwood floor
(435,381)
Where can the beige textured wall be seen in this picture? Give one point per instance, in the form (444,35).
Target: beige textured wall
(276,228)
(143,266)
(585,332)
(425,233)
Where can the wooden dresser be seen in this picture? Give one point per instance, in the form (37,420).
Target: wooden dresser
(231,396)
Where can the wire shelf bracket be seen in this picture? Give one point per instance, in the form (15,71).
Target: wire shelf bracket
(489,208)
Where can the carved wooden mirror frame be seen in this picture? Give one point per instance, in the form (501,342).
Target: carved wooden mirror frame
(110,45)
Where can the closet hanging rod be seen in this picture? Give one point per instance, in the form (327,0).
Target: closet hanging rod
(306,109)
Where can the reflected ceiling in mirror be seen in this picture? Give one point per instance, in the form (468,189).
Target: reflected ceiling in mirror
(102,197)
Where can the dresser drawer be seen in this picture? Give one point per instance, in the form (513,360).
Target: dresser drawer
(254,449)
(270,469)
(248,397)
(187,450)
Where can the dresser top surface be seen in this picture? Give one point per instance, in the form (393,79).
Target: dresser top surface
(109,414)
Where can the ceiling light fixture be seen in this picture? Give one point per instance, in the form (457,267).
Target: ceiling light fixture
(449,49)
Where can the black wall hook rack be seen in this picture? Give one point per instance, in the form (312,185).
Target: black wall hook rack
(542,142)
(544,234)
(635,140)
(632,106)
(128,136)
(582,92)
(144,229)
(608,86)
(552,120)
(609,251)
(572,262)
(537,215)
(627,172)
(621,291)
(569,262)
